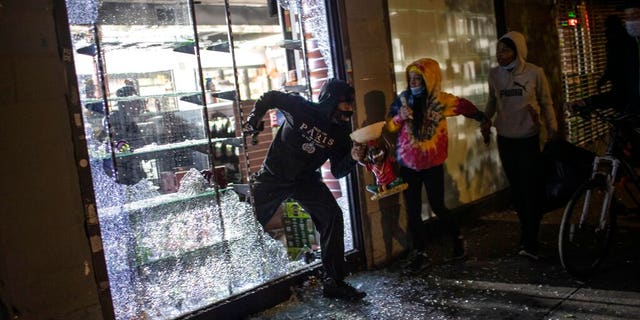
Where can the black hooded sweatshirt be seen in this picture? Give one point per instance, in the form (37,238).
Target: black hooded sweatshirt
(309,135)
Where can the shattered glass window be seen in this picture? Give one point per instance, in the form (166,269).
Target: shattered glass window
(162,96)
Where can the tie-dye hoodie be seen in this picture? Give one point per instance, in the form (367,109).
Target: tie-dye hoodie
(423,141)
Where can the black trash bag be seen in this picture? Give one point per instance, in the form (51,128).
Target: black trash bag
(566,167)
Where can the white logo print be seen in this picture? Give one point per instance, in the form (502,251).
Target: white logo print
(308,147)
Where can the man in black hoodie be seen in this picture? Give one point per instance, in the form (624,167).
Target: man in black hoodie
(311,134)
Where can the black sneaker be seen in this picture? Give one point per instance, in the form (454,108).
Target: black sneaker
(459,249)
(418,263)
(341,290)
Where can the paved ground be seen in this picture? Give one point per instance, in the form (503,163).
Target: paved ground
(493,283)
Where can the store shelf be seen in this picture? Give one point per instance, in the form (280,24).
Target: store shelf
(151,151)
(291,44)
(155,202)
(133,98)
(169,260)
(228,96)
(142,212)
(296,88)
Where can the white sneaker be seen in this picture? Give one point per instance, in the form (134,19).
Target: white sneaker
(528,254)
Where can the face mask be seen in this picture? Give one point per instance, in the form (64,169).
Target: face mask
(633,27)
(510,65)
(346,114)
(417,90)
(340,116)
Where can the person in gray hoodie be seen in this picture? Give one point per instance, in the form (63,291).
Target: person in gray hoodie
(311,134)
(520,100)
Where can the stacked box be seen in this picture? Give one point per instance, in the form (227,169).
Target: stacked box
(299,229)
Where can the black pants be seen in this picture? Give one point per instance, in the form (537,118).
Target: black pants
(433,180)
(315,198)
(522,163)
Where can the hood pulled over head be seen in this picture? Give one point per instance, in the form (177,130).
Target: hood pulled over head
(336,89)
(521,46)
(332,93)
(429,69)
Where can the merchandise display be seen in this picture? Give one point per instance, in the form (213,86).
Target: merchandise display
(379,161)
(300,232)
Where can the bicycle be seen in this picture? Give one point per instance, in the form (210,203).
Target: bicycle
(590,217)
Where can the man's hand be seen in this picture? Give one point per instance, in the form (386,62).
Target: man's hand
(554,136)
(406,113)
(535,117)
(252,127)
(485,129)
(253,124)
(575,106)
(358,151)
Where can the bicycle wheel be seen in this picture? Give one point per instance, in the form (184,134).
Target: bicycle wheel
(584,245)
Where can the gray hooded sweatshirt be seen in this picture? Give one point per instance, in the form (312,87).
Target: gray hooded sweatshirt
(511,92)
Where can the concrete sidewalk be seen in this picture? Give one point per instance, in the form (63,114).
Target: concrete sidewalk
(493,283)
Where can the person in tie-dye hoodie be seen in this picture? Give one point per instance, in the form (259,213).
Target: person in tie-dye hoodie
(418,116)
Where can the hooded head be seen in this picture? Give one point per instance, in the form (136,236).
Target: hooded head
(632,17)
(429,69)
(516,41)
(334,92)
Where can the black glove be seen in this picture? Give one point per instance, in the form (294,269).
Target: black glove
(480,117)
(254,123)
(253,126)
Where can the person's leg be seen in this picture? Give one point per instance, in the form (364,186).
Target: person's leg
(510,158)
(434,182)
(418,259)
(268,193)
(522,162)
(413,203)
(317,200)
(531,181)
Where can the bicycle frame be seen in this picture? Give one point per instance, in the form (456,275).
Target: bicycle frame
(589,220)
(610,183)
(610,175)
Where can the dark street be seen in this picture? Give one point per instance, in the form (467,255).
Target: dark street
(492,283)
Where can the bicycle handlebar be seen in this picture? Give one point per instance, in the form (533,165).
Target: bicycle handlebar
(618,118)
